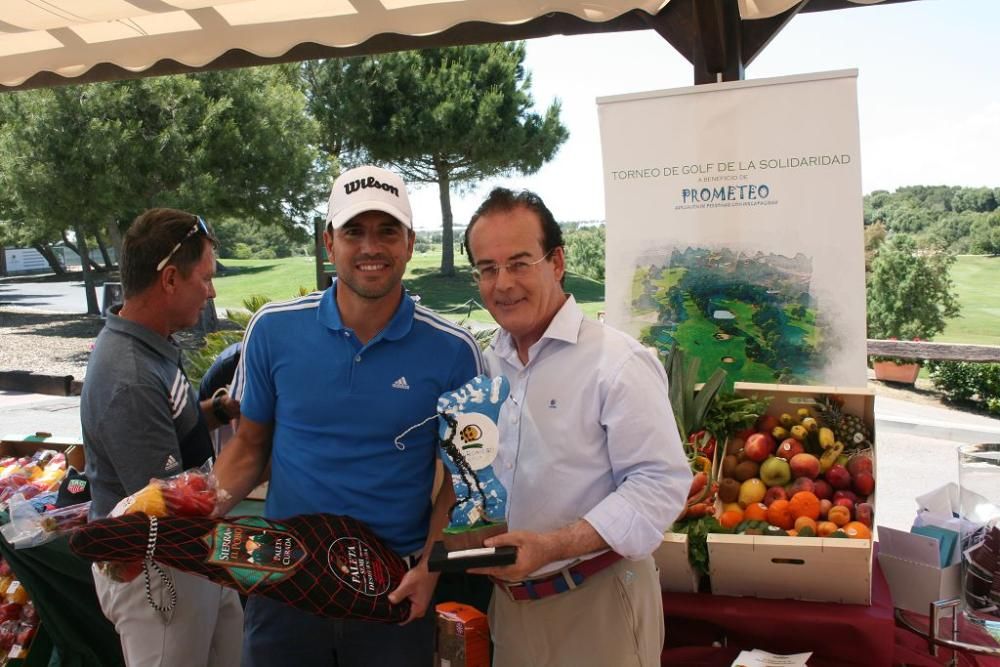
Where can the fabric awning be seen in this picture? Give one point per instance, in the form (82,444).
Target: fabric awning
(53,42)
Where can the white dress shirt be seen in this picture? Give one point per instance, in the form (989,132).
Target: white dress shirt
(588,432)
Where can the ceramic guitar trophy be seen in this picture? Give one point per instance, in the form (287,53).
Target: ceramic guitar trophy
(467,430)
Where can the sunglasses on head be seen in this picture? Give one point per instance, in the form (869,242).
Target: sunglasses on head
(199,226)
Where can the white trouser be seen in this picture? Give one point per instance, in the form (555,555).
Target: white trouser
(205,628)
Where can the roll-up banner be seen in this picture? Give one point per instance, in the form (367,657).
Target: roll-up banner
(735,228)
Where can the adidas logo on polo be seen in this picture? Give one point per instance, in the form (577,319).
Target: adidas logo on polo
(400,383)
(171,463)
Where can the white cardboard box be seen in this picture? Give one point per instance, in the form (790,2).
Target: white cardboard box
(676,573)
(915,586)
(820,569)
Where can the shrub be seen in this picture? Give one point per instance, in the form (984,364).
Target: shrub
(910,294)
(242,251)
(963,381)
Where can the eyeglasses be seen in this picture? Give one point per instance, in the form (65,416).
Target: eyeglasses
(199,226)
(516,268)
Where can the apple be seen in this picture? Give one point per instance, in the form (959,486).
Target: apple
(758,447)
(804,465)
(859,463)
(864,483)
(775,472)
(788,448)
(801,484)
(844,493)
(822,489)
(865,513)
(838,477)
(775,493)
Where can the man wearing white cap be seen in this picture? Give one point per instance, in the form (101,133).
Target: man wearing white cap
(328,383)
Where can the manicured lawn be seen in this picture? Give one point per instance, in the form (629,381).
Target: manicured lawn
(977,280)
(280,279)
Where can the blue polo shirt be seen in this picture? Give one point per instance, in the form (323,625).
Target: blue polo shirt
(337,406)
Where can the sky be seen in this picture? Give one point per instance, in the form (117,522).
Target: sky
(928,97)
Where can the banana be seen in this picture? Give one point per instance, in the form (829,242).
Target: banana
(829,457)
(826,437)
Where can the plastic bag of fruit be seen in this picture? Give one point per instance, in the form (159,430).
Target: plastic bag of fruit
(31,475)
(192,493)
(29,528)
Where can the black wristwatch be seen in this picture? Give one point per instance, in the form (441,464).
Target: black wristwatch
(219,411)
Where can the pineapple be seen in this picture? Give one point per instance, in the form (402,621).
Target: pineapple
(847,428)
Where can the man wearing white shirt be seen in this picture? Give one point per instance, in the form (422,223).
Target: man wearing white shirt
(589,454)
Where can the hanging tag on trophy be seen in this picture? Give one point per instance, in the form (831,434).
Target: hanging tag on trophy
(467,430)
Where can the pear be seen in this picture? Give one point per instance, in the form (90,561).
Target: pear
(752,491)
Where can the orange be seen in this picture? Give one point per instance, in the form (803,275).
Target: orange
(824,528)
(804,503)
(755,512)
(839,515)
(779,514)
(805,521)
(731,518)
(858,530)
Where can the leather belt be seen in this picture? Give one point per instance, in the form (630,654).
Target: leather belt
(564,580)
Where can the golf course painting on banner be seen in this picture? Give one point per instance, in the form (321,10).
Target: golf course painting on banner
(748,313)
(735,227)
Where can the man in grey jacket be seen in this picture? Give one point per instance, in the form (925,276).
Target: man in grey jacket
(141,419)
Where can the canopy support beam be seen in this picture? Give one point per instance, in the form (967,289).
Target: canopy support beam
(712,37)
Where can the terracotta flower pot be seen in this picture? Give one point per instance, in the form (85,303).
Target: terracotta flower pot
(890,371)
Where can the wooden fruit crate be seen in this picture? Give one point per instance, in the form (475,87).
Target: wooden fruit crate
(800,568)
(21,444)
